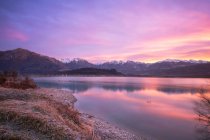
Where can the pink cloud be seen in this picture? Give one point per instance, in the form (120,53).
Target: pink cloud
(12,34)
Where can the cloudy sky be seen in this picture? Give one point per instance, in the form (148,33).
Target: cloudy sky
(101,30)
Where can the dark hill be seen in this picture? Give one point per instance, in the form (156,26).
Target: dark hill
(92,71)
(27,62)
(197,70)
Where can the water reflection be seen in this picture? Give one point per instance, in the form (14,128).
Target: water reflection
(176,90)
(120,87)
(82,86)
(74,86)
(202,110)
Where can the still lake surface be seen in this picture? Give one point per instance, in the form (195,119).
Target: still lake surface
(162,108)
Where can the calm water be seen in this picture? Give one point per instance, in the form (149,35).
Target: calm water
(162,108)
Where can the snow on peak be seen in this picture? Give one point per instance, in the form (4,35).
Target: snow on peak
(68,60)
(189,61)
(116,62)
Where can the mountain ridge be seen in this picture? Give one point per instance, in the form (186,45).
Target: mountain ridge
(28,62)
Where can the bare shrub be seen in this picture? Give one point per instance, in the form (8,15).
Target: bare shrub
(27,83)
(2,79)
(202,110)
(12,80)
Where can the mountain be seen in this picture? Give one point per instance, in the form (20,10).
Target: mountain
(77,63)
(196,70)
(165,68)
(92,71)
(27,62)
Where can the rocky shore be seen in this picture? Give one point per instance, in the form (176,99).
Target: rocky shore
(42,114)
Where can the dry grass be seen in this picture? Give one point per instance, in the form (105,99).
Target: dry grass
(33,115)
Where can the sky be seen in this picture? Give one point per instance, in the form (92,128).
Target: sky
(105,30)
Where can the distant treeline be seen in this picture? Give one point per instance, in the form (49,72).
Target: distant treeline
(91,71)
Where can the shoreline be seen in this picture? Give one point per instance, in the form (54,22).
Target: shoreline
(48,113)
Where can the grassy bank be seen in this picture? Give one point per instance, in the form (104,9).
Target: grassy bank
(39,114)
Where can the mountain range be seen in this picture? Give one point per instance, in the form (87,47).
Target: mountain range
(27,62)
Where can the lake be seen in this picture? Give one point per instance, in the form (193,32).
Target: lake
(162,108)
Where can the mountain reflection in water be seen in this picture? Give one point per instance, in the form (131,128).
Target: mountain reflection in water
(82,86)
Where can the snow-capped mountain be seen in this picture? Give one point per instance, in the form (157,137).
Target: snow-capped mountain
(77,63)
(132,67)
